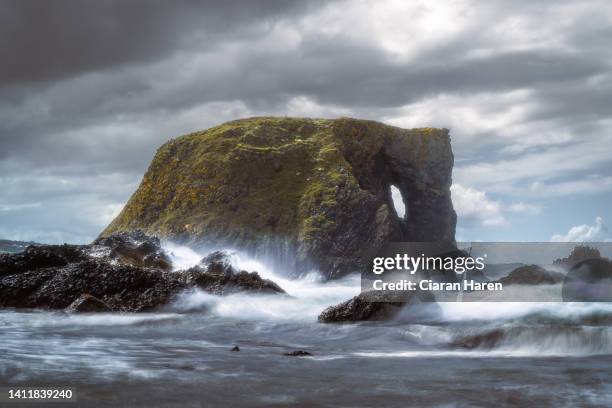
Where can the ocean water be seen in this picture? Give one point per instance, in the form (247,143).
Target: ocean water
(527,354)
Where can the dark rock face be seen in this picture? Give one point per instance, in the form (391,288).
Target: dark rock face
(317,191)
(53,277)
(89,304)
(372,306)
(531,275)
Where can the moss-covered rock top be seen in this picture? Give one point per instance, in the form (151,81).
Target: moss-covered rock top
(316,188)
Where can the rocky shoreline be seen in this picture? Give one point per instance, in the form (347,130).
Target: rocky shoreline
(124,272)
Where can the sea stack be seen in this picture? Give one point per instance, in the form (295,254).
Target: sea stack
(314,192)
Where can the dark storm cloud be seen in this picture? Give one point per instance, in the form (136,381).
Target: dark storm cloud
(43,40)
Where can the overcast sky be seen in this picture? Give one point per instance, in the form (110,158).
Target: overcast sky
(90,89)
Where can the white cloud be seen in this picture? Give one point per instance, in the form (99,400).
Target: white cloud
(18,207)
(474,208)
(524,208)
(583,233)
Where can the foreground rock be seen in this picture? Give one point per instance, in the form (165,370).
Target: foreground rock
(134,248)
(374,306)
(314,191)
(531,275)
(89,304)
(56,277)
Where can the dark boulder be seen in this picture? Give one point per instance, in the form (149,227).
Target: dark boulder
(531,275)
(133,248)
(375,305)
(222,283)
(89,304)
(218,262)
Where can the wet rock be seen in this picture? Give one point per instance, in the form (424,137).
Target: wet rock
(372,306)
(51,277)
(218,262)
(36,257)
(222,283)
(133,248)
(531,275)
(235,348)
(298,353)
(88,304)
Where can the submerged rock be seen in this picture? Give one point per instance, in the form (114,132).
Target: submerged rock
(589,281)
(298,353)
(487,340)
(88,304)
(373,306)
(53,276)
(317,192)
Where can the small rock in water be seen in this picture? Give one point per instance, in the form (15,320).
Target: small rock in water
(298,353)
(88,304)
(235,348)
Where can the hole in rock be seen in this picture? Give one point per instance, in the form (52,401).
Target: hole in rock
(398,201)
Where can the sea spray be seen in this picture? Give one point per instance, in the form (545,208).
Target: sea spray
(306,296)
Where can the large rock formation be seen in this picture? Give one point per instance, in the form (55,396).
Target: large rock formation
(315,191)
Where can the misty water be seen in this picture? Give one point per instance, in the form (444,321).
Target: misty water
(540,354)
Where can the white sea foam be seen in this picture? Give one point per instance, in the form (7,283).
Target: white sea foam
(306,296)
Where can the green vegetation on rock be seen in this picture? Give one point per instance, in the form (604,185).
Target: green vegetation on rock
(319,186)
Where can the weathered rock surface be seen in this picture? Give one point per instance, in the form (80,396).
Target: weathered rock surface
(317,191)
(579,253)
(134,248)
(531,275)
(372,306)
(89,304)
(123,275)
